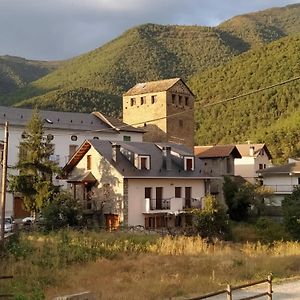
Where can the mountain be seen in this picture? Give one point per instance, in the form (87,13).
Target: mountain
(17,72)
(271,116)
(151,52)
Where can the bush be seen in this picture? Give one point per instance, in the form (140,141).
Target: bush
(62,211)
(212,221)
(269,230)
(291,213)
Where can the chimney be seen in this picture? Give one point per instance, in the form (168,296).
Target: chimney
(251,150)
(167,158)
(116,152)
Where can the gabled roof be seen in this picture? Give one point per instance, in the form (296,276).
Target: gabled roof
(244,149)
(65,120)
(217,151)
(291,168)
(154,87)
(126,167)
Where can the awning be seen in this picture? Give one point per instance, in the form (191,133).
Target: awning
(87,177)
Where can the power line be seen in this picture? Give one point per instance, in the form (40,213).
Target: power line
(252,92)
(186,111)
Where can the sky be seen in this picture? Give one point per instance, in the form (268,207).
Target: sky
(61,29)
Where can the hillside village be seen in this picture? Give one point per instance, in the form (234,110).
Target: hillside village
(148,163)
(164,164)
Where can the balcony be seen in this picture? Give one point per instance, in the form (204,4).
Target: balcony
(171,204)
(281,188)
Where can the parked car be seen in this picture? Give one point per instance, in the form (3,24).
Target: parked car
(28,220)
(8,224)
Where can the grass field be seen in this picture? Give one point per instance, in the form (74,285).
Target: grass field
(137,266)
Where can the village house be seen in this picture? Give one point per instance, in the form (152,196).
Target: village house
(66,130)
(164,109)
(136,183)
(254,157)
(281,180)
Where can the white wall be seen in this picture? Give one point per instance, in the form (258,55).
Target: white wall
(136,194)
(248,165)
(62,141)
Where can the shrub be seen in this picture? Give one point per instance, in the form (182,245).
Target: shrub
(291,213)
(62,211)
(212,221)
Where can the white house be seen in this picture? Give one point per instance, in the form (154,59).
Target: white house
(281,180)
(254,157)
(67,130)
(149,184)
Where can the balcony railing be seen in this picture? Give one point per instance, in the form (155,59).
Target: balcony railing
(172,204)
(281,188)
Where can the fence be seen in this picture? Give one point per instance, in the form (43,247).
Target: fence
(228,291)
(5,296)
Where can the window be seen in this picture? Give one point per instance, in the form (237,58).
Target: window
(88,162)
(298,180)
(50,137)
(262,152)
(180,100)
(72,150)
(143,100)
(148,192)
(177,191)
(189,164)
(126,138)
(186,101)
(95,138)
(260,166)
(153,99)
(74,138)
(132,101)
(144,162)
(180,123)
(173,98)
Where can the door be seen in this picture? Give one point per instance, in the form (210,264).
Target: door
(188,195)
(159,191)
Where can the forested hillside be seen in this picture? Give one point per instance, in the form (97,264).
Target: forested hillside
(16,72)
(151,52)
(271,116)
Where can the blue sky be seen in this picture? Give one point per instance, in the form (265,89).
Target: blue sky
(60,29)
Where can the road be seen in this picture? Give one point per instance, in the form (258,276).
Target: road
(289,290)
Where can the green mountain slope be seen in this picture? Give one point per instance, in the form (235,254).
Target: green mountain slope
(147,52)
(252,117)
(16,72)
(151,52)
(264,26)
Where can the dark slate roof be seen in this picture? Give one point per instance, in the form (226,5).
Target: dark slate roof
(63,120)
(127,168)
(219,151)
(290,168)
(154,87)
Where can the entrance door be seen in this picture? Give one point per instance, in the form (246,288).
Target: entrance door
(188,195)
(159,191)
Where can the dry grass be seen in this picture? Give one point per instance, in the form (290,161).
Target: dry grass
(123,266)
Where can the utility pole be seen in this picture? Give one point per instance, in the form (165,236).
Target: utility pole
(3,185)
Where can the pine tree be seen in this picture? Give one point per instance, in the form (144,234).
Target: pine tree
(36,170)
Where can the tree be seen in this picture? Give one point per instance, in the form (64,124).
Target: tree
(212,221)
(238,198)
(34,180)
(63,210)
(291,213)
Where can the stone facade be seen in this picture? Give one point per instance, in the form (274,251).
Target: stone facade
(172,112)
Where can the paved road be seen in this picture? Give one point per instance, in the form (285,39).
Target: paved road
(284,291)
